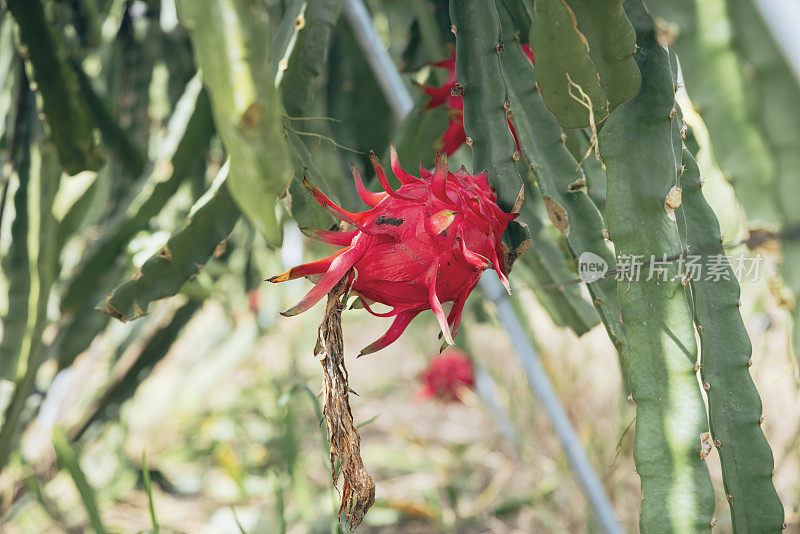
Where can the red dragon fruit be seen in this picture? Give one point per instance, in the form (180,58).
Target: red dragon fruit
(454,136)
(446,375)
(422,245)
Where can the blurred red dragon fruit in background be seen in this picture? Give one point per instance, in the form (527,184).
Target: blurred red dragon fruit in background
(253,303)
(425,244)
(446,376)
(454,136)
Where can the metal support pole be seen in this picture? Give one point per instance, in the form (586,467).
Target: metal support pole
(379,61)
(782,18)
(543,389)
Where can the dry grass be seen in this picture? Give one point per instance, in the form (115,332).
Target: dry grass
(223,429)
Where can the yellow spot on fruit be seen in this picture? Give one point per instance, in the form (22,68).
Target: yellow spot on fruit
(441,220)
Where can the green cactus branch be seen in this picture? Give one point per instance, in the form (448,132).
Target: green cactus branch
(297,72)
(307,60)
(581,145)
(190,131)
(136,50)
(10,72)
(480,76)
(716,85)
(733,402)
(66,112)
(234,58)
(180,260)
(188,134)
(15,267)
(480,81)
(561,181)
(544,269)
(285,36)
(424,15)
(113,136)
(584,58)
(777,96)
(36,170)
(637,141)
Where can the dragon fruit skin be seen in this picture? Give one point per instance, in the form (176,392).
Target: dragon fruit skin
(418,247)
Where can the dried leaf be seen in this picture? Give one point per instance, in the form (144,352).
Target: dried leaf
(358,488)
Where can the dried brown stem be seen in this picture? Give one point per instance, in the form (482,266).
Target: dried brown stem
(358,489)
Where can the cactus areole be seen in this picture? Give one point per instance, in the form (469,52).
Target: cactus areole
(425,244)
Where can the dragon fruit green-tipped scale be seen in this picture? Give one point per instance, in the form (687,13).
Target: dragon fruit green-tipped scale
(419,246)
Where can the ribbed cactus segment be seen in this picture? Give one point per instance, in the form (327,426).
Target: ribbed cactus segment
(637,146)
(584,58)
(14,263)
(136,51)
(189,133)
(179,261)
(113,136)
(67,115)
(16,271)
(302,50)
(313,28)
(579,143)
(733,402)
(233,54)
(560,179)
(10,72)
(479,79)
(285,36)
(777,97)
(31,262)
(553,275)
(702,37)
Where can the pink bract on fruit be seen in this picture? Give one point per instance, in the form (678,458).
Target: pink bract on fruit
(418,247)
